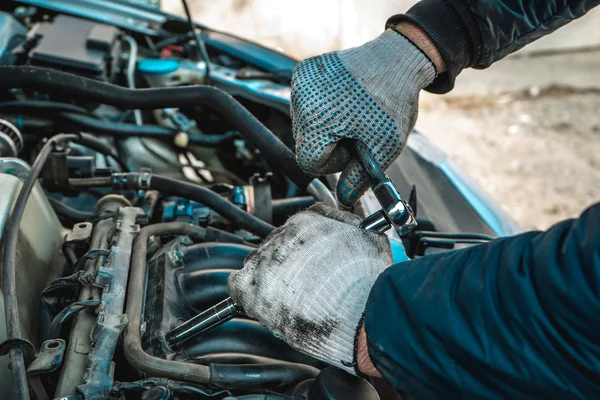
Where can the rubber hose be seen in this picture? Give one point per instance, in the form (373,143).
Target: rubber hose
(117,128)
(41,106)
(101,147)
(231,358)
(283,208)
(83,119)
(68,212)
(51,81)
(252,376)
(176,187)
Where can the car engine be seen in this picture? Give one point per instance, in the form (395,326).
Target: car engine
(138,171)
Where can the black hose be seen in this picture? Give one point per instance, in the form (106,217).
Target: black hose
(252,376)
(97,181)
(101,147)
(283,208)
(29,125)
(176,187)
(231,358)
(83,119)
(277,154)
(41,106)
(69,213)
(13,323)
(152,131)
(117,128)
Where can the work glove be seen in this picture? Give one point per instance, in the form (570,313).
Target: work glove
(309,282)
(369,93)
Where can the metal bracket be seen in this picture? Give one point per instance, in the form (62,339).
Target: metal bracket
(145,178)
(81,233)
(49,358)
(260,200)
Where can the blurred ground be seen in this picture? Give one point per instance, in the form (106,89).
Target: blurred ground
(527,129)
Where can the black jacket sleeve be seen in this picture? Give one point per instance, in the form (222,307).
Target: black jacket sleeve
(516,318)
(474,34)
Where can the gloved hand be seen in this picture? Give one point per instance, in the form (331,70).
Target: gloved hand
(369,93)
(309,282)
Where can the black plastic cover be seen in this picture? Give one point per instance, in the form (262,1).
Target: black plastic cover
(76,45)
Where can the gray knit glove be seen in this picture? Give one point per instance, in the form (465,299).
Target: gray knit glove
(369,93)
(309,282)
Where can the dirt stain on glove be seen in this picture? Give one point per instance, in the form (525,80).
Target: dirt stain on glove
(301,332)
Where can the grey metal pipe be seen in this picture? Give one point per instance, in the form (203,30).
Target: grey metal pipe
(134,352)
(320,192)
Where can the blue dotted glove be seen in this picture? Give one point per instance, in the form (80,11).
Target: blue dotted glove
(369,93)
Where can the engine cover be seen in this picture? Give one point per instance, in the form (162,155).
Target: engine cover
(77,45)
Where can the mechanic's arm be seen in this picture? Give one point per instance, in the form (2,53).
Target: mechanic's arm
(516,318)
(475,34)
(370,93)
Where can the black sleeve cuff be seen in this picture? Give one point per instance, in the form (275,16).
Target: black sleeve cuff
(448,31)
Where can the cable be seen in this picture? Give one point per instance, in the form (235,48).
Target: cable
(13,323)
(67,313)
(274,151)
(174,386)
(199,43)
(69,213)
(133,53)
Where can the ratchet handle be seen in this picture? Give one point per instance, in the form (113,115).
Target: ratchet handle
(374,173)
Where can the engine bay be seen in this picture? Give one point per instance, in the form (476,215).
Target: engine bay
(163,161)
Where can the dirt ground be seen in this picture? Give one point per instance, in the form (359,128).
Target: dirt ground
(537,152)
